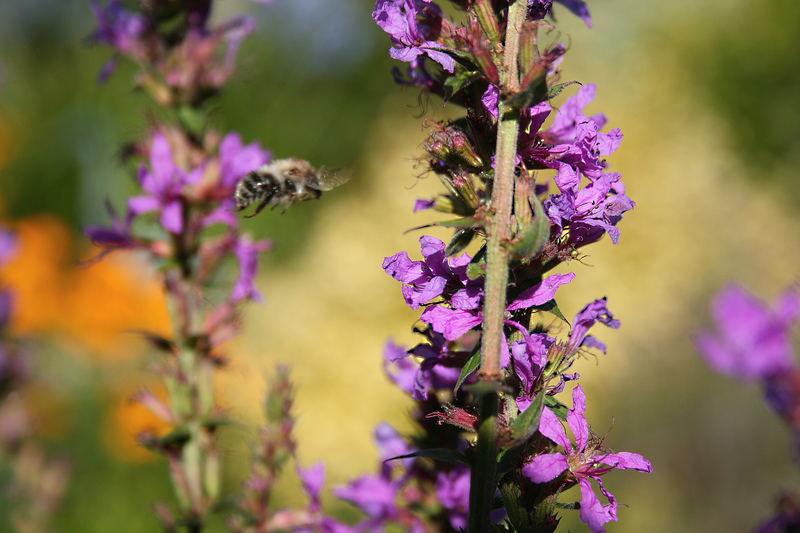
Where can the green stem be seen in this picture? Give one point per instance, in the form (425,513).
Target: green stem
(483,478)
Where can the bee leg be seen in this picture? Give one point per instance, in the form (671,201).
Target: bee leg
(259,208)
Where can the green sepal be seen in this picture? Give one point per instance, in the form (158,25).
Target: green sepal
(556,89)
(472,364)
(558,408)
(572,506)
(477,267)
(534,93)
(461,239)
(527,423)
(517,514)
(533,238)
(456,82)
(460,223)
(437,454)
(552,308)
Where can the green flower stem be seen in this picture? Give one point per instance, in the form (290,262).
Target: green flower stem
(483,479)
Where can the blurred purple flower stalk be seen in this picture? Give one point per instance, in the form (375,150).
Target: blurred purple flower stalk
(753,342)
(184,219)
(36,482)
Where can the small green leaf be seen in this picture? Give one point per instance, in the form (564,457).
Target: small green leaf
(460,240)
(437,454)
(558,408)
(533,238)
(466,222)
(552,307)
(476,270)
(472,364)
(572,506)
(462,78)
(555,90)
(527,423)
(534,93)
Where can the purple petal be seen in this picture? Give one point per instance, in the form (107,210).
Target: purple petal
(8,245)
(626,461)
(550,426)
(172,217)
(545,467)
(313,479)
(444,59)
(161,161)
(541,293)
(594,513)
(403,269)
(452,323)
(491,99)
(422,204)
(579,8)
(143,204)
(577,420)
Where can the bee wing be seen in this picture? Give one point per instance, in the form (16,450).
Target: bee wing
(328,179)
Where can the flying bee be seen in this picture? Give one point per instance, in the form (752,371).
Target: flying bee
(284,182)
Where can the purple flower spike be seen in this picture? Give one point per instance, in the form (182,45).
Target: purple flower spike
(752,340)
(584,462)
(414,26)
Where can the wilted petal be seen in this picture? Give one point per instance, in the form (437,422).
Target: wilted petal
(594,513)
(545,467)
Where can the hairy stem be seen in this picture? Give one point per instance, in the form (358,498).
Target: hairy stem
(483,478)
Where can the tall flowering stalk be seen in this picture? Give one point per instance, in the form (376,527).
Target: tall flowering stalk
(752,341)
(183,219)
(36,482)
(491,366)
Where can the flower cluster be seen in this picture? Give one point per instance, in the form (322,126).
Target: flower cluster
(466,63)
(753,342)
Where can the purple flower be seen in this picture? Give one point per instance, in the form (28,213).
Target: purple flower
(452,488)
(436,274)
(537,9)
(375,495)
(247,252)
(118,237)
(119,28)
(589,212)
(584,461)
(752,340)
(313,479)
(596,311)
(419,379)
(414,26)
(8,245)
(165,183)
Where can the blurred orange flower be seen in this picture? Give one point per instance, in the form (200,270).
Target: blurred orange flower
(95,306)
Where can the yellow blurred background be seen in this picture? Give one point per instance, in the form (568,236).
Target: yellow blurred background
(712,206)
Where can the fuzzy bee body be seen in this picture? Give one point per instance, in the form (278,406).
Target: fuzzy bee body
(283,182)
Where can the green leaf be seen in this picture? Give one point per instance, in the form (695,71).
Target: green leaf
(462,78)
(533,238)
(552,307)
(558,408)
(460,240)
(533,94)
(527,423)
(437,454)
(472,364)
(555,90)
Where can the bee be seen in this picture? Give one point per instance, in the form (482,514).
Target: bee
(284,182)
